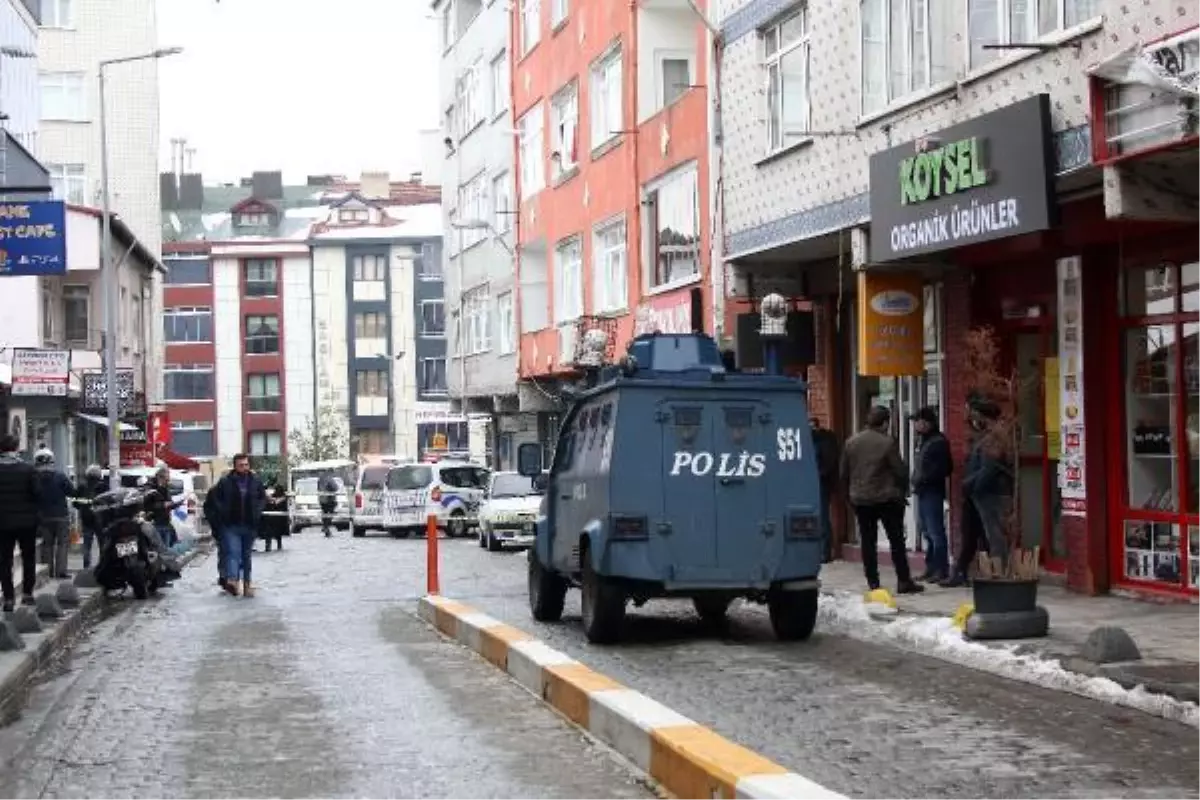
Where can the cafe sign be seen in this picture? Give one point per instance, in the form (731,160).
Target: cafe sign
(988,178)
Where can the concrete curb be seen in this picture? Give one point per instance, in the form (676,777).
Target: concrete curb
(686,758)
(15,684)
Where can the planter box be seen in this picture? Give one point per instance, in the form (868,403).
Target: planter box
(1006,610)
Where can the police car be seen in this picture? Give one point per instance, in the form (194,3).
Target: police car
(452,491)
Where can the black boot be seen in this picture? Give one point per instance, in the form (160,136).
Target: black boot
(8,605)
(954,581)
(910,587)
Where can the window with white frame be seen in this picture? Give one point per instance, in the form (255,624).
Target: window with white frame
(369,268)
(262,334)
(354,215)
(58,14)
(498,72)
(470,103)
(905,49)
(535,298)
(607,117)
(531,24)
(262,392)
(262,277)
(559,9)
(1020,21)
(674,77)
(187,324)
(264,443)
(472,210)
(429,265)
(477,331)
(502,210)
(433,376)
(371,382)
(370,325)
(64,96)
(568,281)
(610,286)
(77,314)
(505,324)
(256,219)
(531,152)
(785,58)
(564,114)
(193,438)
(673,217)
(69,182)
(433,318)
(188,382)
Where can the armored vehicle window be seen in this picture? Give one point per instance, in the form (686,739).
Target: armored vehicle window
(738,420)
(565,453)
(414,476)
(687,423)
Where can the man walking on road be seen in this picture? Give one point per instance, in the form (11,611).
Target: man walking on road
(932,466)
(238,500)
(876,481)
(54,513)
(18,521)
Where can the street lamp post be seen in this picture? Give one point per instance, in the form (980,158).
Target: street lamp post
(110,282)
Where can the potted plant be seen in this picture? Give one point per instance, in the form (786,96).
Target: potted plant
(1005,578)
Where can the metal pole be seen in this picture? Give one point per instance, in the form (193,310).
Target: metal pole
(111,316)
(391,374)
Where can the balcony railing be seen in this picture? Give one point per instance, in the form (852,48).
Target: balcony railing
(263,403)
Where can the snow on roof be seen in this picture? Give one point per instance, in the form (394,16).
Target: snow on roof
(415,222)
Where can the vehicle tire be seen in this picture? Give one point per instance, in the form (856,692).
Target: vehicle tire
(456,526)
(358,532)
(603,605)
(547,592)
(136,578)
(793,614)
(712,608)
(494,545)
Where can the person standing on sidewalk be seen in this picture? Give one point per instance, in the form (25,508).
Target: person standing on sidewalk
(19,490)
(825,443)
(932,466)
(876,481)
(54,512)
(239,502)
(93,485)
(159,505)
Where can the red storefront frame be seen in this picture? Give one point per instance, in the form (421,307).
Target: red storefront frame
(1121,508)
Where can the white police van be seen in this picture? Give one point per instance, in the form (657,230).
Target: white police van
(452,491)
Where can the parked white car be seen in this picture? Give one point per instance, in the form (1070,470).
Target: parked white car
(510,511)
(450,490)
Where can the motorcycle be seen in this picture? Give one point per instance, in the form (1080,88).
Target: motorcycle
(131,553)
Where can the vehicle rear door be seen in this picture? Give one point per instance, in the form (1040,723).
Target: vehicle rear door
(685,533)
(368,500)
(749,539)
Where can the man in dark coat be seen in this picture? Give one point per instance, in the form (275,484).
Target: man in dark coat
(54,512)
(92,486)
(238,501)
(19,489)
(827,447)
(932,465)
(328,498)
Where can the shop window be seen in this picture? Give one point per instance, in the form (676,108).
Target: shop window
(1161,366)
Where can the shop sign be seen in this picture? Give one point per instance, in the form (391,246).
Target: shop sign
(33,238)
(891,324)
(985,179)
(158,428)
(94,397)
(666,313)
(1071,473)
(40,373)
(436,414)
(137,455)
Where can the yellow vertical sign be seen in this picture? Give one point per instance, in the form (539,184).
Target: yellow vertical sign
(1052,408)
(891,324)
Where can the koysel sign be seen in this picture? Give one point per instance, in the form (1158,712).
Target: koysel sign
(988,178)
(43,373)
(33,238)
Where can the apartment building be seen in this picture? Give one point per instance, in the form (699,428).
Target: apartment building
(478,143)
(75,36)
(20,93)
(611,112)
(1066,224)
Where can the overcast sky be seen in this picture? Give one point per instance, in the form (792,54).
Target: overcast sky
(306,86)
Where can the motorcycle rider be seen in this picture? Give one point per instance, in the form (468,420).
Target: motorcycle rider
(54,514)
(93,485)
(158,505)
(19,487)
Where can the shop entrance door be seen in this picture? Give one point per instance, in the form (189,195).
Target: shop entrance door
(1035,352)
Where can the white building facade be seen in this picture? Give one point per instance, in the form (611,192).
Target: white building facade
(20,92)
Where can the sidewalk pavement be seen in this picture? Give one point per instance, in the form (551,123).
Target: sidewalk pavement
(1167,634)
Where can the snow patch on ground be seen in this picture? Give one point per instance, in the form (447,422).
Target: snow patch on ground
(937,637)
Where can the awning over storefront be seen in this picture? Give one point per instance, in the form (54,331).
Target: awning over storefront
(177,460)
(1162,65)
(103,423)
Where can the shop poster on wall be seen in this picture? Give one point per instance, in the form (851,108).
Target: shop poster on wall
(1070,382)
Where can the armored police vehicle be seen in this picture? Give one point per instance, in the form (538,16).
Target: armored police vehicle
(675,477)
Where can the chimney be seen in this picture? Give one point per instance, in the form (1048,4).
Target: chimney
(375,185)
(267,185)
(168,190)
(191,192)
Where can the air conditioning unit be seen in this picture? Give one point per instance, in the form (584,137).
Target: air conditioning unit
(568,338)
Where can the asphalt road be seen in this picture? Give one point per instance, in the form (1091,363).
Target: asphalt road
(325,684)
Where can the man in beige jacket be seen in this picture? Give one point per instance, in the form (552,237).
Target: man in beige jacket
(876,481)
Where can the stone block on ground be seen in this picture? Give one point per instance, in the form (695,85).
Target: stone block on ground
(67,595)
(26,620)
(85,579)
(1109,644)
(1008,625)
(48,606)
(10,639)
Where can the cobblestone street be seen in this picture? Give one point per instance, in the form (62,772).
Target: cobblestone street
(327,685)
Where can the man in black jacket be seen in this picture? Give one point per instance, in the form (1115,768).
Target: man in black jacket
(93,485)
(932,466)
(238,500)
(825,443)
(18,521)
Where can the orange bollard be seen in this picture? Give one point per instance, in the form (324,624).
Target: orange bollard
(431,555)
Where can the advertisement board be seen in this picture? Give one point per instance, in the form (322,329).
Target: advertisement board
(33,238)
(40,373)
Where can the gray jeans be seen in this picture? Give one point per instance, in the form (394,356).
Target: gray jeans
(55,535)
